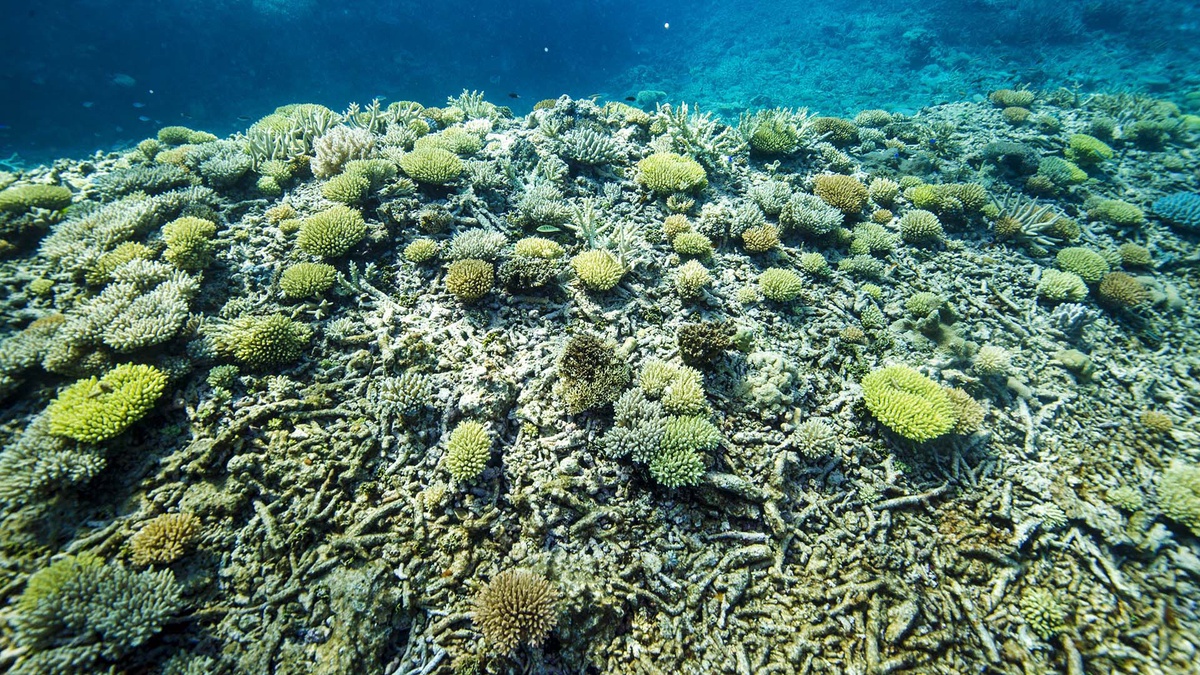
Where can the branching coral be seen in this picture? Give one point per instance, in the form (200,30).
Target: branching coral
(908,403)
(468,451)
(517,607)
(97,409)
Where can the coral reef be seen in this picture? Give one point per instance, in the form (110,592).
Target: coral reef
(287,401)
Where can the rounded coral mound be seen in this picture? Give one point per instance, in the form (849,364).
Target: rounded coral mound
(433,165)
(331,232)
(667,172)
(598,270)
(908,403)
(844,193)
(95,410)
(470,279)
(265,341)
(164,539)
(780,285)
(517,607)
(1089,265)
(307,280)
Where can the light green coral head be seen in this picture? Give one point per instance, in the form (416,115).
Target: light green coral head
(908,403)
(95,410)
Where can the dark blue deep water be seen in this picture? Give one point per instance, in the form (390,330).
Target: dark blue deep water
(83,76)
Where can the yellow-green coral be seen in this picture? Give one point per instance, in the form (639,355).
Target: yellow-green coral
(693,244)
(25,197)
(844,193)
(538,247)
(780,285)
(470,279)
(1117,212)
(95,410)
(307,280)
(331,232)
(1179,495)
(164,539)
(433,165)
(1085,149)
(421,250)
(468,451)
(667,172)
(264,341)
(598,270)
(1088,264)
(189,242)
(908,403)
(346,187)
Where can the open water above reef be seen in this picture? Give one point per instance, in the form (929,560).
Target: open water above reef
(93,74)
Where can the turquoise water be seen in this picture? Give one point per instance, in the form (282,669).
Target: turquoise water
(600,338)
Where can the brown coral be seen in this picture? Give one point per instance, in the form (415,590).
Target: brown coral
(844,193)
(164,539)
(516,607)
(1121,290)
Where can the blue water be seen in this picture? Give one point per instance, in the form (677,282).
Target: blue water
(94,74)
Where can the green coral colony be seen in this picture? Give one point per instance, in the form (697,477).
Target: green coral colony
(440,389)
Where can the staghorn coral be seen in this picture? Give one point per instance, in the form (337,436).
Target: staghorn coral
(1181,209)
(809,215)
(920,227)
(1119,290)
(538,247)
(815,439)
(1087,150)
(1008,98)
(432,165)
(1117,212)
(189,242)
(78,614)
(845,193)
(479,244)
(597,270)
(590,373)
(991,360)
(1089,265)
(421,250)
(691,279)
(1058,286)
(780,285)
(1043,613)
(1179,495)
(337,146)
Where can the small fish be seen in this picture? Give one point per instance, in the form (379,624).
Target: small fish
(185,116)
(139,104)
(143,118)
(88,104)
(4,127)
(513,94)
(123,80)
(548,229)
(244,118)
(630,98)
